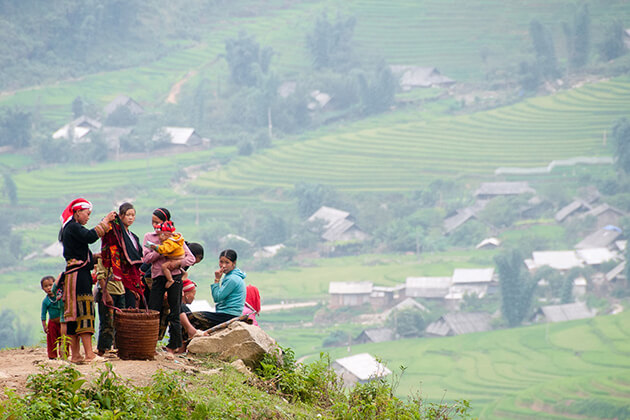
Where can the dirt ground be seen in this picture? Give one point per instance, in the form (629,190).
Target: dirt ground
(17,364)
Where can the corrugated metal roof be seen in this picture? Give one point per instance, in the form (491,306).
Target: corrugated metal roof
(602,208)
(180,135)
(601,238)
(473,275)
(428,287)
(349,288)
(460,323)
(570,208)
(567,312)
(455,221)
(612,274)
(378,335)
(329,215)
(560,260)
(363,366)
(594,256)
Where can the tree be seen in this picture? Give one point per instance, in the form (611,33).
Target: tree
(121,117)
(77,107)
(15,128)
(621,142)
(311,197)
(377,91)
(613,45)
(407,322)
(12,332)
(330,44)
(544,50)
(578,37)
(516,285)
(10,189)
(246,60)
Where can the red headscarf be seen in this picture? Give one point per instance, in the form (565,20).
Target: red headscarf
(76,204)
(253,297)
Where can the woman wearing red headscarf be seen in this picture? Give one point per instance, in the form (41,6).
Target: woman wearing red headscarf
(252,303)
(77,288)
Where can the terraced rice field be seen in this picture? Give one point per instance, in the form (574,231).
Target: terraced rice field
(405,156)
(579,368)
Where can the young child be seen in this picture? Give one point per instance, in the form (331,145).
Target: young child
(171,247)
(54,309)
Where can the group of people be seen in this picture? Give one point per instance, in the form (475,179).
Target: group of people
(129,273)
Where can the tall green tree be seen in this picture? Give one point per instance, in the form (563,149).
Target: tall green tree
(613,45)
(621,142)
(10,189)
(12,332)
(516,285)
(77,107)
(246,59)
(544,50)
(330,43)
(578,37)
(15,128)
(377,91)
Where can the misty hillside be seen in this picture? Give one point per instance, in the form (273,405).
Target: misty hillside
(245,119)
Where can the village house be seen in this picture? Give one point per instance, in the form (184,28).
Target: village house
(339,225)
(559,260)
(375,335)
(343,293)
(605,215)
(601,238)
(489,243)
(383,296)
(489,190)
(268,251)
(427,287)
(183,136)
(575,207)
(78,130)
(460,217)
(360,368)
(562,313)
(471,281)
(458,323)
(123,101)
(410,77)
(617,273)
(595,256)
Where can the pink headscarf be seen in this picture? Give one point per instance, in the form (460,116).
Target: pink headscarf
(76,204)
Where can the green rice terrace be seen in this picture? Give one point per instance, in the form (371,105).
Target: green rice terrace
(578,369)
(406,156)
(377,156)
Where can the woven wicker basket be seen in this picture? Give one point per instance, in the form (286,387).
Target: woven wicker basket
(136,333)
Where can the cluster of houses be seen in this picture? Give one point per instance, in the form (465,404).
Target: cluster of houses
(82,128)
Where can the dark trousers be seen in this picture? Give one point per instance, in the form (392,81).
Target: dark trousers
(106,321)
(174,299)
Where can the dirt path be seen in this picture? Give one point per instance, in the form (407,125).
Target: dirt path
(177,87)
(17,364)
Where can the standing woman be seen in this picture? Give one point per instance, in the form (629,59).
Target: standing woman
(158,281)
(118,273)
(77,289)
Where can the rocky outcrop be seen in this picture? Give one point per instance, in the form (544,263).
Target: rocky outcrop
(238,341)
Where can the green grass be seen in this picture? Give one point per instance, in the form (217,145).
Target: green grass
(519,373)
(408,156)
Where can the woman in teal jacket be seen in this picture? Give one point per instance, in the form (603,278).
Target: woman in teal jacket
(228,293)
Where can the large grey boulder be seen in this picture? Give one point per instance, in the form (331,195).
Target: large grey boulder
(238,341)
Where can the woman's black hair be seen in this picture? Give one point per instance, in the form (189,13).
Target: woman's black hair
(196,249)
(162,214)
(124,208)
(230,254)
